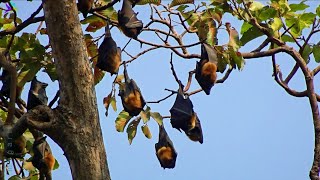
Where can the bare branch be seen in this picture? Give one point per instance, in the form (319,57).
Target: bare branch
(160,100)
(316,70)
(292,73)
(189,80)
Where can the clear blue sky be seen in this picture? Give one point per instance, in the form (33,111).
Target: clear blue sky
(252,128)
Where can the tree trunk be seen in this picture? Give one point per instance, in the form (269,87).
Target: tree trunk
(79,133)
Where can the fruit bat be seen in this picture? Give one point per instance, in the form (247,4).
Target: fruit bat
(206,68)
(37,94)
(195,131)
(43,159)
(109,58)
(165,151)
(131,96)
(183,117)
(129,24)
(181,112)
(14,148)
(5,89)
(84,6)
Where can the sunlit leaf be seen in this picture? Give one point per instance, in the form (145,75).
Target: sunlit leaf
(233,37)
(276,24)
(132,129)
(146,131)
(145,115)
(255,5)
(122,120)
(98,75)
(113,103)
(28,166)
(119,78)
(157,117)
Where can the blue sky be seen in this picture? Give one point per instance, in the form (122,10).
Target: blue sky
(252,128)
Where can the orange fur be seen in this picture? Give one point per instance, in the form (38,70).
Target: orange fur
(193,121)
(165,155)
(133,101)
(209,69)
(50,160)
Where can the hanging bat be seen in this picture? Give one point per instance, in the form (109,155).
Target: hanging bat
(85,6)
(165,151)
(195,131)
(129,24)
(14,148)
(109,58)
(37,94)
(5,78)
(131,96)
(206,68)
(182,112)
(43,159)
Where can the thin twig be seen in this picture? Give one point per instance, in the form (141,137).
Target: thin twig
(160,100)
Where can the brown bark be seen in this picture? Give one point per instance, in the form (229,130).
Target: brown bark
(76,128)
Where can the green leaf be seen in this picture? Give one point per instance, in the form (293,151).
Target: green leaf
(180,2)
(287,38)
(250,34)
(27,73)
(237,58)
(113,103)
(143,2)
(157,117)
(318,10)
(223,58)
(56,165)
(122,120)
(245,27)
(306,52)
(316,53)
(15,177)
(146,131)
(298,7)
(51,70)
(132,129)
(145,115)
(267,13)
